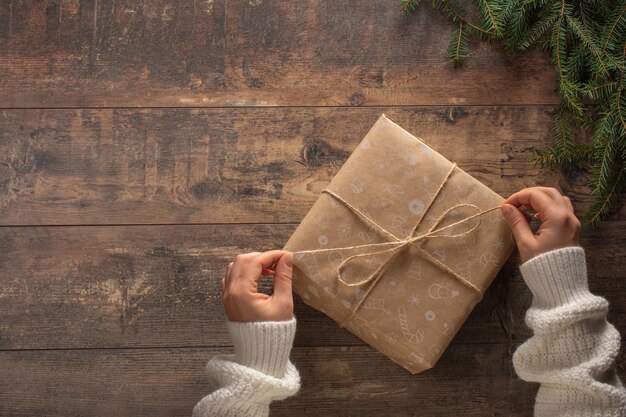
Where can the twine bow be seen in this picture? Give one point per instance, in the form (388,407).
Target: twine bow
(397,245)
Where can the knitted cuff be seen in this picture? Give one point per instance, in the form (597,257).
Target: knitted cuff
(264,346)
(557,277)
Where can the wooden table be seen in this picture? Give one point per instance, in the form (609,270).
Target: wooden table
(143,144)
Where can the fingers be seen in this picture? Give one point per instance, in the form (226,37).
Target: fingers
(552,192)
(530,197)
(225,280)
(559,225)
(544,200)
(560,199)
(243,269)
(282,277)
(271,257)
(518,224)
(248,266)
(569,203)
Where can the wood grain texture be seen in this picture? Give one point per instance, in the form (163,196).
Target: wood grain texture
(89,53)
(158,286)
(117,220)
(349,381)
(160,166)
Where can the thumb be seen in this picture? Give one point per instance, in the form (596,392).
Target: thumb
(282,277)
(517,222)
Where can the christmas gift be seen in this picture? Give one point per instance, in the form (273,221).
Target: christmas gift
(400,246)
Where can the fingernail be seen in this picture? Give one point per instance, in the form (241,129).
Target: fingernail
(506,209)
(289,260)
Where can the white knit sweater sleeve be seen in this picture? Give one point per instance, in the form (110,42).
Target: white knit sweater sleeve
(256,374)
(573,348)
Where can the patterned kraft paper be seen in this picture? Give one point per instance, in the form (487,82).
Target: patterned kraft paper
(416,307)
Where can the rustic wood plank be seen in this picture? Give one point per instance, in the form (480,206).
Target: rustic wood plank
(158,286)
(149,295)
(348,380)
(233,166)
(89,53)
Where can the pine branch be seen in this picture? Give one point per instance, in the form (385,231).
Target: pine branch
(456,13)
(617,29)
(587,38)
(490,11)
(457,51)
(530,4)
(587,43)
(602,206)
(536,32)
(559,42)
(563,149)
(507,12)
(598,8)
(516,24)
(598,90)
(583,18)
(409,6)
(620,109)
(568,90)
(605,155)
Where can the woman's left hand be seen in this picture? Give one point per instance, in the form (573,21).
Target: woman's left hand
(241,299)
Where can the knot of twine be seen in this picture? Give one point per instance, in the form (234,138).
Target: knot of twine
(397,245)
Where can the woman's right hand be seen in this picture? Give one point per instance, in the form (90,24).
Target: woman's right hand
(559,225)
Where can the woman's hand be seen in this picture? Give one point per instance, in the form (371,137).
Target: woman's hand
(559,225)
(241,300)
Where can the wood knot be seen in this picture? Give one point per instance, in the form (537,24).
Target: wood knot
(313,154)
(317,153)
(455,114)
(356,99)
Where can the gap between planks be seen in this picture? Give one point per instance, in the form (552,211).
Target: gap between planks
(151,224)
(391,106)
(227,346)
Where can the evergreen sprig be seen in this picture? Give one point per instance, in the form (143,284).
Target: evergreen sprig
(587,43)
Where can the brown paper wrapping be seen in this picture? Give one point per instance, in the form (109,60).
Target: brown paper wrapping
(415,308)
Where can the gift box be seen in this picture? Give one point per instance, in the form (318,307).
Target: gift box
(400,246)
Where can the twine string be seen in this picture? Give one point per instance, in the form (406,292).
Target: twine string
(397,245)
